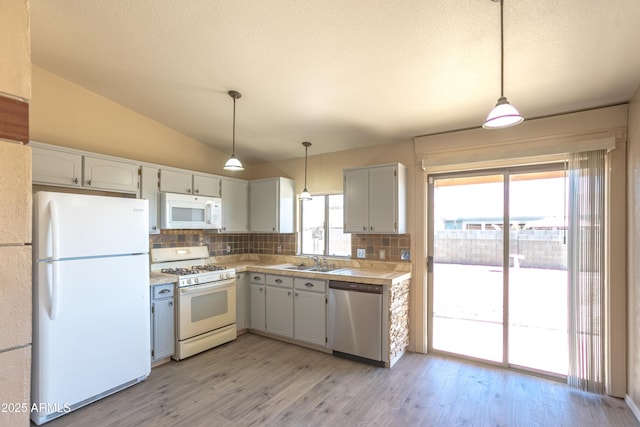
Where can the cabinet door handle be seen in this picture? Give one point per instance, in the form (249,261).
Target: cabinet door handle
(155,227)
(164,291)
(197,191)
(257,278)
(170,303)
(296,294)
(75,180)
(260,289)
(289,293)
(364,228)
(309,285)
(88,182)
(278,280)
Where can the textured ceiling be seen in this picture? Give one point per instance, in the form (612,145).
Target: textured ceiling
(341,74)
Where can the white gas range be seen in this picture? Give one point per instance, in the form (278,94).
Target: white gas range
(206,298)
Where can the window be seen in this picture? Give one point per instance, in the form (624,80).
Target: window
(322,227)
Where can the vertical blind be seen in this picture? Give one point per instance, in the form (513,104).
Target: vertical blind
(586,270)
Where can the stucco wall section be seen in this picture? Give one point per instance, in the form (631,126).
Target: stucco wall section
(15,377)
(15,295)
(633,250)
(15,187)
(15,45)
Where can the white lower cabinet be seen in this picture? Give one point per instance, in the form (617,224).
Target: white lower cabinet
(162,322)
(310,311)
(294,308)
(242,301)
(257,298)
(280,311)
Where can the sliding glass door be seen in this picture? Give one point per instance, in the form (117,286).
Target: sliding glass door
(468,254)
(538,278)
(499,283)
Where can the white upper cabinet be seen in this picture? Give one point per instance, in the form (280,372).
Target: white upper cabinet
(105,174)
(176,182)
(149,190)
(53,167)
(271,205)
(356,201)
(375,199)
(235,205)
(71,168)
(206,185)
(185,182)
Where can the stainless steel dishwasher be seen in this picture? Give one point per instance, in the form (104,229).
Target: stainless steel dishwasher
(355,321)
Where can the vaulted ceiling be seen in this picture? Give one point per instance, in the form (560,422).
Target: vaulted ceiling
(341,74)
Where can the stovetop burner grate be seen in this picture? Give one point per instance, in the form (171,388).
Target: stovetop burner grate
(196,269)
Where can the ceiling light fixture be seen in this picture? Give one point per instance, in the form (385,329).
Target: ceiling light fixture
(305,195)
(233,164)
(503,114)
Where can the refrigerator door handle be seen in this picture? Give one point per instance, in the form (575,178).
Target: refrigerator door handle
(53,295)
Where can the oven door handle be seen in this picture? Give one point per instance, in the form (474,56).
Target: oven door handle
(207,286)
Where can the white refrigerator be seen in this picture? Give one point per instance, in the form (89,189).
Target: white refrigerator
(91,333)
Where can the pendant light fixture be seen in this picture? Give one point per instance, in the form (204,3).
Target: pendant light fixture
(305,195)
(503,114)
(233,164)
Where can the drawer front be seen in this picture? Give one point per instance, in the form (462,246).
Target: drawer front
(282,281)
(257,278)
(163,291)
(315,285)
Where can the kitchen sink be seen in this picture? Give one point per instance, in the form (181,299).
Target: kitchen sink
(322,269)
(316,268)
(300,267)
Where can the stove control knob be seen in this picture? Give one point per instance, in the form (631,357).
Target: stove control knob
(188,281)
(227,275)
(195,280)
(224,276)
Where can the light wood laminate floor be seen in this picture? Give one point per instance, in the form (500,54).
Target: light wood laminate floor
(259,381)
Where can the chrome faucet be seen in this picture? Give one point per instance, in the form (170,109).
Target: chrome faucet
(315,259)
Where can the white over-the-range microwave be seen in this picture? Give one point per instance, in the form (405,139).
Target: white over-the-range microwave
(187,211)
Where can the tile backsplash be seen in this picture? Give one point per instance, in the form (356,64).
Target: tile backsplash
(227,244)
(393,245)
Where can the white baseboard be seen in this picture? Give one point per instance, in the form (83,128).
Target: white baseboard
(633,406)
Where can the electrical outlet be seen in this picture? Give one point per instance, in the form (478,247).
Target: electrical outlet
(279,249)
(381,254)
(362,253)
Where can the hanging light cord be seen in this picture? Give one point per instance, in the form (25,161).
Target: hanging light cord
(306,148)
(233,141)
(501,51)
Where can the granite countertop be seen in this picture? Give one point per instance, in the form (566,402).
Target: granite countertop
(370,273)
(347,274)
(161,278)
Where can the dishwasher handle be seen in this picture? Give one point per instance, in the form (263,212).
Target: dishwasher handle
(355,287)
